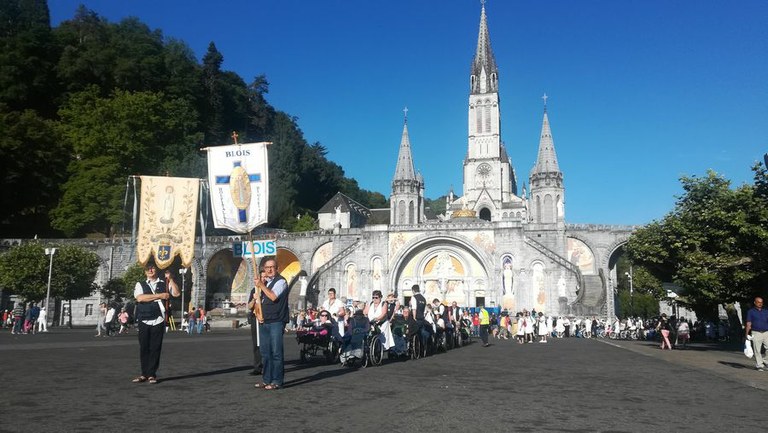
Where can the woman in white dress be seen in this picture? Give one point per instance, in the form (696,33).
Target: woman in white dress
(560,327)
(528,327)
(376,311)
(520,333)
(542,328)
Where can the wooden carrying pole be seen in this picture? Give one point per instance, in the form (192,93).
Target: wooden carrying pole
(256,292)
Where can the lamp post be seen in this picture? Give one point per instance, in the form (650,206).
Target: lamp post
(631,290)
(183,272)
(49,252)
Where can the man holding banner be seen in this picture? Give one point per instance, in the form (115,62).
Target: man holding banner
(166,230)
(150,314)
(238,176)
(275,312)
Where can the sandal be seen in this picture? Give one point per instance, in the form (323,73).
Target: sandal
(271,387)
(152,380)
(139,379)
(260,385)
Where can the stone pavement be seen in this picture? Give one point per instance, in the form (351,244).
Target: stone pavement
(67,380)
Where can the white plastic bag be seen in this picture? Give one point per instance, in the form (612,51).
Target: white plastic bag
(748,352)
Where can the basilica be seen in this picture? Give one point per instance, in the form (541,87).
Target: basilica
(494,245)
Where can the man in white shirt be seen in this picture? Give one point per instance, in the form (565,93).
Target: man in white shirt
(337,309)
(150,316)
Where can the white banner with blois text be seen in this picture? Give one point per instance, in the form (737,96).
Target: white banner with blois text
(238,177)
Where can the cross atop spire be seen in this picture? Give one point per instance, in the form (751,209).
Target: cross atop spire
(405,110)
(545,97)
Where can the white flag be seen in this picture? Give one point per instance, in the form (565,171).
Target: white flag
(239,183)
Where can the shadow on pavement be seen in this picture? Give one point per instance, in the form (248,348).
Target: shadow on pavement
(321,375)
(208,373)
(735,365)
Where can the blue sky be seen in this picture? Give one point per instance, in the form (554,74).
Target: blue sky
(640,92)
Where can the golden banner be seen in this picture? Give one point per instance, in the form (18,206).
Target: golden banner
(167,220)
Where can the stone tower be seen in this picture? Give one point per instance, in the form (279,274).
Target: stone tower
(407,198)
(489,180)
(547,195)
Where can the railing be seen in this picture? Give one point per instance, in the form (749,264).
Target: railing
(562,261)
(333,261)
(601,227)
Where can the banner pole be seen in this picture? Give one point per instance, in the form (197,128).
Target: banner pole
(257,293)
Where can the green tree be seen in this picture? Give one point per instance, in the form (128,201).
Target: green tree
(24,271)
(27,56)
(437,205)
(128,133)
(113,290)
(33,164)
(304,223)
(711,244)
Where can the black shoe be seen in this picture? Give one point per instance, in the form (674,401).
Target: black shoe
(256,372)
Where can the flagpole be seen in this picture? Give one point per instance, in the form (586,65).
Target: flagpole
(257,291)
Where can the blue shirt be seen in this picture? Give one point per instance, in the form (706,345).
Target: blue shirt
(758,319)
(281,285)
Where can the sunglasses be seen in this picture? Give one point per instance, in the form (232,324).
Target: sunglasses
(324,315)
(377,297)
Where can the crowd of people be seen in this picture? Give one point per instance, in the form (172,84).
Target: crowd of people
(418,328)
(25,319)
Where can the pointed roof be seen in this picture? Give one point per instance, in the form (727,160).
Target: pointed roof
(404,169)
(346,204)
(484,58)
(547,159)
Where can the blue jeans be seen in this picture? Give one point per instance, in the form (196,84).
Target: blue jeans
(271,347)
(191,326)
(200,326)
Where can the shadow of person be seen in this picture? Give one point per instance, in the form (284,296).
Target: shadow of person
(208,373)
(735,365)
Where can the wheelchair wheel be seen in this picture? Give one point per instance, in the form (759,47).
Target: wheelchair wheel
(376,352)
(331,353)
(416,347)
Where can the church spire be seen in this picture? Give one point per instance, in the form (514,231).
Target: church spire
(484,77)
(406,203)
(404,169)
(547,159)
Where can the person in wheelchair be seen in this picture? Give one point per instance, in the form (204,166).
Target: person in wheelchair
(465,326)
(429,330)
(321,327)
(355,334)
(399,326)
(377,312)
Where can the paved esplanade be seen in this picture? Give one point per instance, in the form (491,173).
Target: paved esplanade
(68,380)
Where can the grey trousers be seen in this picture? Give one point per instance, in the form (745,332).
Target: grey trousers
(759,339)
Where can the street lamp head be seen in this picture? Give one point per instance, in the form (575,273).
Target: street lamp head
(50,251)
(183,271)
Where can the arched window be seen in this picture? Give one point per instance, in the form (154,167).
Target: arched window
(549,209)
(411,216)
(538,209)
(485,214)
(487,117)
(479,119)
(400,212)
